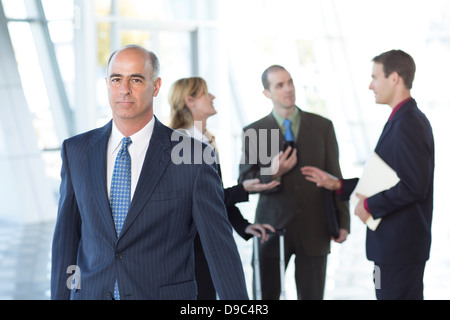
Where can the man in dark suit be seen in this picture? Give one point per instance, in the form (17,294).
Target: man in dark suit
(400,246)
(295,205)
(149,253)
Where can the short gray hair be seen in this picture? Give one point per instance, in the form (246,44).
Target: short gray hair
(151,55)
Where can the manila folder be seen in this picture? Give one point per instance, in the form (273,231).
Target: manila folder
(377,176)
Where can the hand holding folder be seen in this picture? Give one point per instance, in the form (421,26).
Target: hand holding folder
(377,176)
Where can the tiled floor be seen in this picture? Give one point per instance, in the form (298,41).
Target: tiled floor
(25,261)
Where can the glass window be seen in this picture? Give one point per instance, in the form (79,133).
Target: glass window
(56,10)
(14,9)
(23,29)
(33,83)
(171,40)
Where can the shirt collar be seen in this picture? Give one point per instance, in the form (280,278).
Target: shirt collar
(398,106)
(140,138)
(295,117)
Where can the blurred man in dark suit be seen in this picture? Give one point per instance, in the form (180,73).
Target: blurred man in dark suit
(400,245)
(274,148)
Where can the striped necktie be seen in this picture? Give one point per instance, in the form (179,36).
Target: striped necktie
(121,191)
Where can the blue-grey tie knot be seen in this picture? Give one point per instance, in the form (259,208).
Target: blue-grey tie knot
(126,143)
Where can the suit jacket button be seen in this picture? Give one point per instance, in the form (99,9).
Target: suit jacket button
(109,296)
(119,256)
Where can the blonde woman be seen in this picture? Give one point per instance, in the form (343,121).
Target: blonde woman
(191,105)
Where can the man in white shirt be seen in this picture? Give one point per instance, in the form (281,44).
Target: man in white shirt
(151,256)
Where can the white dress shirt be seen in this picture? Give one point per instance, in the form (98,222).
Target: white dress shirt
(137,149)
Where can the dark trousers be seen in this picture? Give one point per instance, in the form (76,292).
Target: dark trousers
(399,282)
(205,286)
(309,271)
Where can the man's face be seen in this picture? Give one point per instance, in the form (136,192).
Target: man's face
(281,90)
(382,87)
(130,86)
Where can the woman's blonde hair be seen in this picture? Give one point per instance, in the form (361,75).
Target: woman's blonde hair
(180,114)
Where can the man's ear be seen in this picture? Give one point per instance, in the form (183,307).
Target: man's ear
(395,77)
(157,86)
(267,93)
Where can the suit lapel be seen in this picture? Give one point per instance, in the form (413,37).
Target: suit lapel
(384,133)
(156,161)
(272,124)
(97,169)
(304,137)
(397,115)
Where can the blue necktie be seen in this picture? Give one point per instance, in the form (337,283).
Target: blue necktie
(121,191)
(289,135)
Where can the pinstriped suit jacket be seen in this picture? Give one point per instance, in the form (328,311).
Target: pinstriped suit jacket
(153,256)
